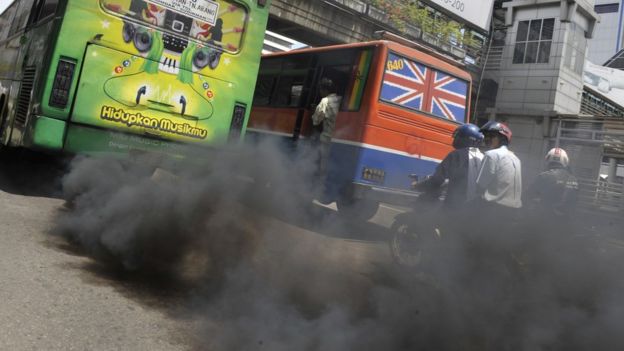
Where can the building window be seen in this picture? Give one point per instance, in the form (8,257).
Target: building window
(607,8)
(533,41)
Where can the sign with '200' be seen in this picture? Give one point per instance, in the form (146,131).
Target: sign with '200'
(476,12)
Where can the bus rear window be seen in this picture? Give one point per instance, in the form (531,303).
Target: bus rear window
(415,86)
(217,23)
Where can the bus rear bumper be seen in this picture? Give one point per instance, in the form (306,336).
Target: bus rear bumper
(96,141)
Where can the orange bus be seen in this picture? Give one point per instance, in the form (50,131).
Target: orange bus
(400,106)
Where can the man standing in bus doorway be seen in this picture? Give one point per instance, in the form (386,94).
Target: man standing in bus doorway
(325,117)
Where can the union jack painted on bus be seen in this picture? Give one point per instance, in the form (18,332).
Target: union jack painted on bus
(416,86)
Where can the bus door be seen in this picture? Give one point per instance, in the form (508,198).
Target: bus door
(300,86)
(344,69)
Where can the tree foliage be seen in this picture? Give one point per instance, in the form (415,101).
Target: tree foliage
(414,12)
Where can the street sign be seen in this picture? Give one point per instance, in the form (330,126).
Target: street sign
(475,12)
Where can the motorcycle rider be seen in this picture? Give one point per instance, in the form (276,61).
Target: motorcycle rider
(554,191)
(459,167)
(416,237)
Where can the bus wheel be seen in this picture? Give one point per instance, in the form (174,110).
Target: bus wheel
(356,208)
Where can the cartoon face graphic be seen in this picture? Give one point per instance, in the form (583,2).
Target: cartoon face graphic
(173,52)
(171,48)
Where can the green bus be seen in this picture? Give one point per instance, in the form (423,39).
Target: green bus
(102,76)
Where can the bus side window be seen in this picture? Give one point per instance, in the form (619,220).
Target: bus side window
(288,91)
(295,94)
(264,87)
(281,97)
(339,75)
(358,76)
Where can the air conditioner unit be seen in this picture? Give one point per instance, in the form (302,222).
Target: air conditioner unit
(459,52)
(413,31)
(377,14)
(354,5)
(430,39)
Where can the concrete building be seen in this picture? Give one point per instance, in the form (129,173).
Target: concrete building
(608,35)
(535,72)
(537,79)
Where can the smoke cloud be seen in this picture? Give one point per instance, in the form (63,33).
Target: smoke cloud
(266,284)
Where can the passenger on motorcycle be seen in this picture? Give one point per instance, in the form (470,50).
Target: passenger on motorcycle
(500,185)
(459,167)
(500,178)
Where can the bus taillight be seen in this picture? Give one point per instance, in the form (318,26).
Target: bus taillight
(62,83)
(238,118)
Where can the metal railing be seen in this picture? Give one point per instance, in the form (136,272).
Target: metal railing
(494,58)
(588,132)
(596,195)
(599,196)
(595,105)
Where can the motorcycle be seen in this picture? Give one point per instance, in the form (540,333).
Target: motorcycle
(415,232)
(433,243)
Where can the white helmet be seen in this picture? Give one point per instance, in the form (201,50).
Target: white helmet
(558,155)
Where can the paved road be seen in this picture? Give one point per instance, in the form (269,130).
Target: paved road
(54,299)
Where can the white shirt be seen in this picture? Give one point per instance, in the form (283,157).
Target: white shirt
(326,113)
(501,177)
(475,159)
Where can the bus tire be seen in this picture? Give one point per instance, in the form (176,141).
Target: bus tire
(356,208)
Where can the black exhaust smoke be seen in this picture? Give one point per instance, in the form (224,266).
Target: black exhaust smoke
(282,287)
